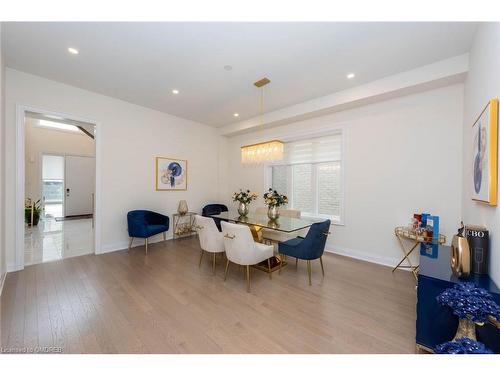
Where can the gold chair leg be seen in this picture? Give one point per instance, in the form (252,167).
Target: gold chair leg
(281,262)
(322,268)
(201,257)
(309,271)
(225,271)
(130,243)
(269,268)
(146,246)
(248,279)
(213,265)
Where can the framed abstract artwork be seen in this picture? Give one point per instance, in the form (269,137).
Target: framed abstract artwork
(171,174)
(485,155)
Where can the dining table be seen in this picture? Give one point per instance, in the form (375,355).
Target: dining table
(257,222)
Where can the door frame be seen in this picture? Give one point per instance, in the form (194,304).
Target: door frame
(20,176)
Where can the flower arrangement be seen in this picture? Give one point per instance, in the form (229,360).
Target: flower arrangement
(470,302)
(463,345)
(274,199)
(244,196)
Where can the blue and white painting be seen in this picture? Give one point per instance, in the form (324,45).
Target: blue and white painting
(171,174)
(480,158)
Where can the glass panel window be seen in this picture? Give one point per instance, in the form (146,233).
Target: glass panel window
(311,176)
(302,193)
(329,189)
(280,179)
(53,191)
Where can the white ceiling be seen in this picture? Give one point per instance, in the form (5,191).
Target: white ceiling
(142,62)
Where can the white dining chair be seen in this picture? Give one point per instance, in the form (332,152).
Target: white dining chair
(241,249)
(210,238)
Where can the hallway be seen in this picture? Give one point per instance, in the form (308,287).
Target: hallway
(53,240)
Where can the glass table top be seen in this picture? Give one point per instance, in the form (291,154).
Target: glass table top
(283,224)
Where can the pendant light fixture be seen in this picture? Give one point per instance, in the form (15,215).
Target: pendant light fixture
(268,151)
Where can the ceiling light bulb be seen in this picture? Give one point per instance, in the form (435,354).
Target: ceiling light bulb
(236,115)
(175,91)
(73,51)
(351,75)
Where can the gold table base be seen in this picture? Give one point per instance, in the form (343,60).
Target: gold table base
(275,261)
(262,266)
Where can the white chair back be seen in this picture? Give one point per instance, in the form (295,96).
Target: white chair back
(239,244)
(209,236)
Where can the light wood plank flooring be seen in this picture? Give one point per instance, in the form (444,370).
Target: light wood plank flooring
(127,302)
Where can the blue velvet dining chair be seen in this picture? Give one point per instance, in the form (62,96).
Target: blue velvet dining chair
(144,224)
(214,209)
(309,247)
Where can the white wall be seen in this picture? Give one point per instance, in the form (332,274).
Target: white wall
(131,137)
(482,84)
(43,140)
(2,161)
(401,156)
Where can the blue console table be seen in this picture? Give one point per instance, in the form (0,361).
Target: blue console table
(435,323)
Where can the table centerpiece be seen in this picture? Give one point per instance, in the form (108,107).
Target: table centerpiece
(274,200)
(244,198)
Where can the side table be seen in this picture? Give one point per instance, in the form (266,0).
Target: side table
(183,225)
(415,240)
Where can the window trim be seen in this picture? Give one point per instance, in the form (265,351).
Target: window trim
(338,130)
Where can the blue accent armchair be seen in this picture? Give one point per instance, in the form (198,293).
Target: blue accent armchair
(214,209)
(144,224)
(309,248)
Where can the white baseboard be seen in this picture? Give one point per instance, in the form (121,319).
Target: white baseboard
(12,267)
(123,245)
(2,281)
(363,255)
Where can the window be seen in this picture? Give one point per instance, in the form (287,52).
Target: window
(311,176)
(53,191)
(52,185)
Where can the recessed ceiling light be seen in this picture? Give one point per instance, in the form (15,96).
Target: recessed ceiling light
(351,75)
(236,114)
(175,91)
(73,51)
(228,67)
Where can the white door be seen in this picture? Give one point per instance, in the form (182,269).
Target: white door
(79,185)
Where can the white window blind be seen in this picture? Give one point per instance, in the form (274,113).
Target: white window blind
(311,176)
(315,150)
(52,167)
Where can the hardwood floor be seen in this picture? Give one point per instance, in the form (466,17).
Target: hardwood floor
(127,302)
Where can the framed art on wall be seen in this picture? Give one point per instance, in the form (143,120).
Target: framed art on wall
(485,155)
(171,174)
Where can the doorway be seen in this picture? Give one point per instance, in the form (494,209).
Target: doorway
(59,187)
